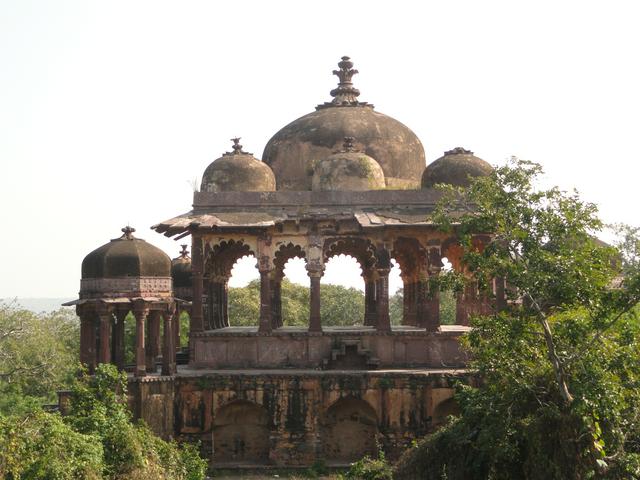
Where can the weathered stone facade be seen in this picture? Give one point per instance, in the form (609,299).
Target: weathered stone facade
(289,396)
(293,418)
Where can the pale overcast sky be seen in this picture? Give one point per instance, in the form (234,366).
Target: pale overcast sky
(110,110)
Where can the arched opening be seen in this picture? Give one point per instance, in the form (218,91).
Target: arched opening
(222,262)
(342,292)
(444,410)
(448,298)
(349,273)
(397,299)
(349,429)
(290,287)
(243,308)
(241,434)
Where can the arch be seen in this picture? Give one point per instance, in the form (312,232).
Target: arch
(286,252)
(365,254)
(241,433)
(348,429)
(443,410)
(219,261)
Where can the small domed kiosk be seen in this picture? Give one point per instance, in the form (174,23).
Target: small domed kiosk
(126,275)
(456,167)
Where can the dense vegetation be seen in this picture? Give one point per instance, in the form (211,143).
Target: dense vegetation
(560,367)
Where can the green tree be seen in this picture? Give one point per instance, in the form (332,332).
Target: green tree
(560,367)
(339,305)
(38,355)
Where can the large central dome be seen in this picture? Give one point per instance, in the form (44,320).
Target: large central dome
(294,150)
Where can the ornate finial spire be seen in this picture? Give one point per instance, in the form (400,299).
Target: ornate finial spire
(345,95)
(128,232)
(458,151)
(184,253)
(237,148)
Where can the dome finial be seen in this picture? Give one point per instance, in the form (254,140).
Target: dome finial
(184,253)
(348,145)
(458,151)
(346,93)
(128,232)
(237,148)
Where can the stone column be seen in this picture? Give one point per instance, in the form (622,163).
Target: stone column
(197,266)
(168,350)
(176,327)
(105,318)
(216,303)
(153,340)
(118,338)
(409,300)
(264,266)
(383,323)
(370,315)
(87,339)
(276,299)
(225,302)
(430,291)
(315,273)
(140,312)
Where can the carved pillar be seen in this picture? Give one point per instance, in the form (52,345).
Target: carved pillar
(430,291)
(315,274)
(87,338)
(105,319)
(265,268)
(315,270)
(383,267)
(370,316)
(383,323)
(168,348)
(153,340)
(175,324)
(140,312)
(409,307)
(196,324)
(225,303)
(118,338)
(217,303)
(276,299)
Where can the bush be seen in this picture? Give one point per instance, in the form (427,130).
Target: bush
(370,469)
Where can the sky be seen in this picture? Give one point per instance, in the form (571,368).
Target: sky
(111,111)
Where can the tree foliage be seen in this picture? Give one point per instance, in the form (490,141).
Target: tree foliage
(560,367)
(96,440)
(38,355)
(338,305)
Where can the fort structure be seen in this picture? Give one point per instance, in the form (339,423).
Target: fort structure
(342,180)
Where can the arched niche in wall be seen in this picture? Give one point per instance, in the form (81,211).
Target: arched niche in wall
(241,434)
(348,430)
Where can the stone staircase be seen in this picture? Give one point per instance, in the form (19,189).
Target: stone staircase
(350,354)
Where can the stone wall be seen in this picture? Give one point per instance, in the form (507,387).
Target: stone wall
(295,418)
(396,349)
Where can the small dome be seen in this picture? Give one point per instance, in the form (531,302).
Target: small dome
(238,171)
(126,256)
(294,150)
(455,168)
(181,270)
(347,169)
